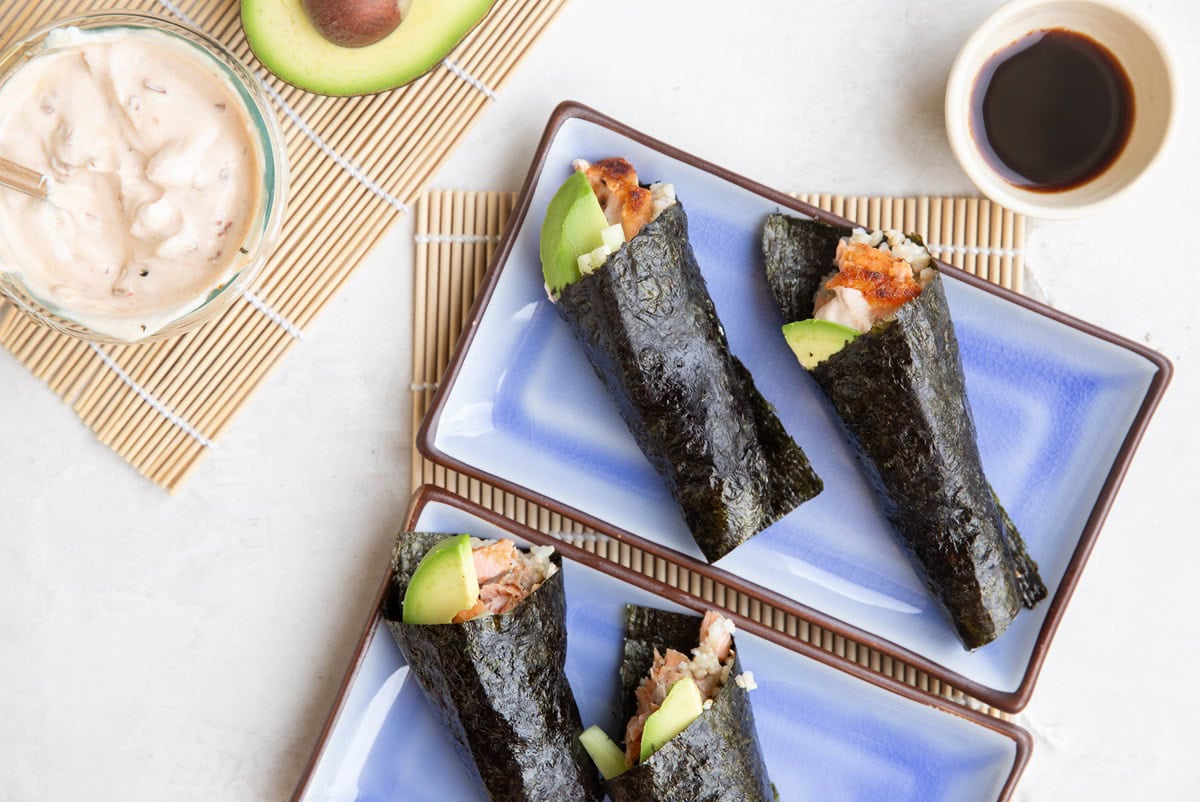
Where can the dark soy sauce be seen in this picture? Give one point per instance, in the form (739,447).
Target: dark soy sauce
(1052,110)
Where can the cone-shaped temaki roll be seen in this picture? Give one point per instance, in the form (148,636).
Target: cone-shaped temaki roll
(883,350)
(482,626)
(636,301)
(690,735)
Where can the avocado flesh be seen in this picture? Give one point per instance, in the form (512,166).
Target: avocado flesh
(443,584)
(814,341)
(681,707)
(573,227)
(607,756)
(285,41)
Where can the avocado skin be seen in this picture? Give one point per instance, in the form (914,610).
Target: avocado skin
(498,685)
(718,757)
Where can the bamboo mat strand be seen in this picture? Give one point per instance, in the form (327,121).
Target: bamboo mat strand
(356,165)
(456,235)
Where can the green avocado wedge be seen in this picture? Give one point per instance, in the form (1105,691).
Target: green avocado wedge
(574,226)
(283,38)
(814,341)
(683,705)
(443,584)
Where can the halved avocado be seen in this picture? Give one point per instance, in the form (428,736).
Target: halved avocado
(814,341)
(283,37)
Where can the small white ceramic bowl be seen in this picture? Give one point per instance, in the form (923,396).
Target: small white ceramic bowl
(1134,44)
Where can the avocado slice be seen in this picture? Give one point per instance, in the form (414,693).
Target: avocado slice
(573,227)
(681,707)
(607,756)
(814,341)
(284,39)
(443,584)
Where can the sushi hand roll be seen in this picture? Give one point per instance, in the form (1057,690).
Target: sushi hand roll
(621,273)
(482,627)
(690,734)
(872,326)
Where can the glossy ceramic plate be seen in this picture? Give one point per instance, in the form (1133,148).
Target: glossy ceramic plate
(826,733)
(1060,406)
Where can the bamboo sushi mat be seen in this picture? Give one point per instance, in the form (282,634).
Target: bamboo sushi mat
(356,165)
(456,236)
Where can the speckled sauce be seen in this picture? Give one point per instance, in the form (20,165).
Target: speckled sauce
(156,178)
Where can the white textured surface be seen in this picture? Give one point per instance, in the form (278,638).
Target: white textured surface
(189,647)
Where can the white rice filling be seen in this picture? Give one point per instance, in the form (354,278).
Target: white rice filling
(704,663)
(745,681)
(898,243)
(661,197)
(704,660)
(539,558)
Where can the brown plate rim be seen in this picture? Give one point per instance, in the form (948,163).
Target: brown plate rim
(431,494)
(1009,701)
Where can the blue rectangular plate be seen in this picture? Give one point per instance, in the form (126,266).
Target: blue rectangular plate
(826,732)
(1060,406)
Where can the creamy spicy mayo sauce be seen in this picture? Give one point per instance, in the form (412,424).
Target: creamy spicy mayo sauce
(156,178)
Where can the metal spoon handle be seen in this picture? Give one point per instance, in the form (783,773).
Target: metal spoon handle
(31,182)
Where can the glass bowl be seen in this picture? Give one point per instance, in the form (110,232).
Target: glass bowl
(264,230)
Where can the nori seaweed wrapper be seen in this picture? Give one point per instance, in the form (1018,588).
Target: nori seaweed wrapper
(499,688)
(717,758)
(790,245)
(900,393)
(651,333)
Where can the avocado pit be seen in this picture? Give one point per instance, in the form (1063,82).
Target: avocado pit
(355,23)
